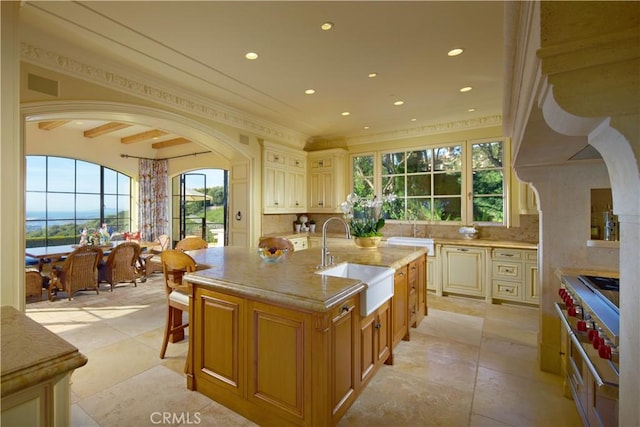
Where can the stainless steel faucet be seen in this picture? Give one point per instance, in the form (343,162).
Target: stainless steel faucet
(325,250)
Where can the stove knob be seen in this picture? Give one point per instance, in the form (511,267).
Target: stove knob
(562,292)
(598,342)
(582,325)
(568,301)
(604,351)
(592,334)
(571,311)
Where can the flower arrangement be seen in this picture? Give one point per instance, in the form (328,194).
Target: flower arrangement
(365,215)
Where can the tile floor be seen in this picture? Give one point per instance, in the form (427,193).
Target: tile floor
(467,364)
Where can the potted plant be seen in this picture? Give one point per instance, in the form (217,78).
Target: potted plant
(312,226)
(365,218)
(296,225)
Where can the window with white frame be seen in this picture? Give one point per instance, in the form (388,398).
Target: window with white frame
(458,183)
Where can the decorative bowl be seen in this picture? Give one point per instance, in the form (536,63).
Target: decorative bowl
(468,232)
(271,254)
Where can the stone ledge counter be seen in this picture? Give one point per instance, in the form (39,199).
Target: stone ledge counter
(279,343)
(36,367)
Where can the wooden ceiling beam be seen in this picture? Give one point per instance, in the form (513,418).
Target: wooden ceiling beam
(143,136)
(52,124)
(104,129)
(170,142)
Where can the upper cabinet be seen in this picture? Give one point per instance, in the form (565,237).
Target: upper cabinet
(284,180)
(327,180)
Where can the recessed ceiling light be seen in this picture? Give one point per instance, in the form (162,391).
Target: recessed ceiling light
(455,52)
(326,26)
(251,55)
(365,128)
(372,75)
(471,110)
(398,103)
(345,113)
(466,89)
(413,120)
(309,91)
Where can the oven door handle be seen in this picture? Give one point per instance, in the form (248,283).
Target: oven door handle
(578,346)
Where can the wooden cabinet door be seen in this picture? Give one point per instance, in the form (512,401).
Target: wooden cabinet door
(279,364)
(344,324)
(219,350)
(399,311)
(412,292)
(463,270)
(375,341)
(422,289)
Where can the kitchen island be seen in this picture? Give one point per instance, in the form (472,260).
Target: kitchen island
(279,343)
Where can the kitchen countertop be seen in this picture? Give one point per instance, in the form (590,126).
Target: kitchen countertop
(292,281)
(510,244)
(31,354)
(573,271)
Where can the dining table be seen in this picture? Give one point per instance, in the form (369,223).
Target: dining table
(53,254)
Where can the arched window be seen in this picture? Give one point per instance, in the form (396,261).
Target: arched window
(65,195)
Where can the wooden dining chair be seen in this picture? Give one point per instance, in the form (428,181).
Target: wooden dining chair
(78,272)
(191,243)
(122,265)
(175,264)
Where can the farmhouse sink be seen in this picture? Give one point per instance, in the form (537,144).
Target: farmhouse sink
(412,241)
(379,281)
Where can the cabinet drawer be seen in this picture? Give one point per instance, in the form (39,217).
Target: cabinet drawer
(300,243)
(507,270)
(507,290)
(296,163)
(275,158)
(508,254)
(323,163)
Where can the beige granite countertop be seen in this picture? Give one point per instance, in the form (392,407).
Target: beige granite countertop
(31,354)
(573,271)
(294,280)
(510,244)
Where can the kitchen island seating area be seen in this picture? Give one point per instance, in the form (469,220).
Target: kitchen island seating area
(175,263)
(468,363)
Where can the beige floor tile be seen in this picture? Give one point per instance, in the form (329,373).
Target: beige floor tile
(457,327)
(79,418)
(480,421)
(455,304)
(519,401)
(90,338)
(112,364)
(142,399)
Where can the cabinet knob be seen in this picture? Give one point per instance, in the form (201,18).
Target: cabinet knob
(378,325)
(463,250)
(345,308)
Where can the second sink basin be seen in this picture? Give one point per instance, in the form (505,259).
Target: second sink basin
(412,241)
(379,282)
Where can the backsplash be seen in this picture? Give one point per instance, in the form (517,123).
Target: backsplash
(526,232)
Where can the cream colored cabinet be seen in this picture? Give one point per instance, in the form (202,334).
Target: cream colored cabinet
(431,273)
(514,275)
(299,243)
(327,180)
(464,270)
(531,285)
(284,180)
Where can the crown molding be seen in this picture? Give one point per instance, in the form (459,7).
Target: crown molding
(414,132)
(143,88)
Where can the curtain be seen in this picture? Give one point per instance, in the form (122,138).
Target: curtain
(153,217)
